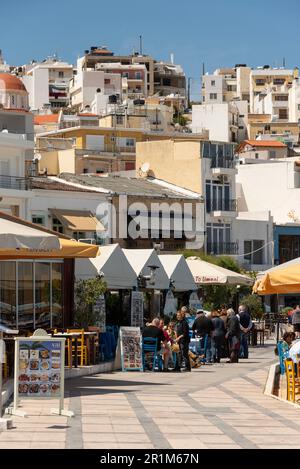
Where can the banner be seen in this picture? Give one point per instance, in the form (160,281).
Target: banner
(131,348)
(194,302)
(137,309)
(171,304)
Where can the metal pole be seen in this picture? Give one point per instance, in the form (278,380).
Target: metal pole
(1,338)
(278,320)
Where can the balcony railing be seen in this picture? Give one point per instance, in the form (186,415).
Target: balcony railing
(107,149)
(15,182)
(222,248)
(219,162)
(222,205)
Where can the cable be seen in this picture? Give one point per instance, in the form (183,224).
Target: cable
(251,252)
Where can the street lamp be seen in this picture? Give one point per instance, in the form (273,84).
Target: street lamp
(237,296)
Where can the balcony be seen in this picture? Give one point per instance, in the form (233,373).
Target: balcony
(222,248)
(15,182)
(222,207)
(224,166)
(106,151)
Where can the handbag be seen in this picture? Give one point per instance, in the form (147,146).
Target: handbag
(175,348)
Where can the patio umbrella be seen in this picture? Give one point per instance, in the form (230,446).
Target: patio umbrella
(205,273)
(14,235)
(279,281)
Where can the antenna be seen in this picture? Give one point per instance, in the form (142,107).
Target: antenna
(141,45)
(203,68)
(283,62)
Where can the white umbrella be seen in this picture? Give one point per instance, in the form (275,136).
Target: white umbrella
(14,235)
(178,272)
(205,273)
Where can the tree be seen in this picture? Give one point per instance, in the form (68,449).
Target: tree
(254,304)
(86,294)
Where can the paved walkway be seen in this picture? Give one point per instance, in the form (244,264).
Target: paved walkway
(219,406)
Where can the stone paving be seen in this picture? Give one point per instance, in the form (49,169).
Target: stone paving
(218,406)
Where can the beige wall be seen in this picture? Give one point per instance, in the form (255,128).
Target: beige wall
(278,127)
(66,161)
(175,162)
(49,161)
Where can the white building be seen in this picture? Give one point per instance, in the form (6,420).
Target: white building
(221,120)
(16,145)
(294,101)
(226,84)
(87,84)
(47,83)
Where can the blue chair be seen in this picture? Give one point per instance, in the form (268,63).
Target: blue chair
(150,352)
(283,353)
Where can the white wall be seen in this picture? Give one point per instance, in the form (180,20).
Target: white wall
(270,186)
(215,118)
(37,86)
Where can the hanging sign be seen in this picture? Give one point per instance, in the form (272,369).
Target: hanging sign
(131,348)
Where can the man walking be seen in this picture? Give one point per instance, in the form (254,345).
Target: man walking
(245,326)
(183,340)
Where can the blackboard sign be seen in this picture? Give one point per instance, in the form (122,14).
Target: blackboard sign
(131,348)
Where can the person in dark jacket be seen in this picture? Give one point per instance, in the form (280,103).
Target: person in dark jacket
(233,335)
(183,340)
(218,336)
(203,326)
(245,326)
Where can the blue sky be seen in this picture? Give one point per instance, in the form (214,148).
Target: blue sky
(216,32)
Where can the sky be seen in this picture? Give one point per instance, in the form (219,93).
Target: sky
(214,32)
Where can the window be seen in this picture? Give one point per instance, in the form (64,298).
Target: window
(231,87)
(241,116)
(278,81)
(120,120)
(256,156)
(130,142)
(283,114)
(125,75)
(138,75)
(253,251)
(298,107)
(260,81)
(79,235)
(267,127)
(213,83)
(99,171)
(212,95)
(272,154)
(281,97)
(203,99)
(85,170)
(107,81)
(38,219)
(57,225)
(61,74)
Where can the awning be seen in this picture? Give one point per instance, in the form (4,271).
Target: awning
(68,249)
(141,260)
(14,235)
(279,281)
(211,274)
(118,273)
(178,272)
(77,220)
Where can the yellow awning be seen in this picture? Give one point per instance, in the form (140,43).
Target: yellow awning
(69,249)
(77,220)
(279,281)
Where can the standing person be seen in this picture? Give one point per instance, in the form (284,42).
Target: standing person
(218,336)
(296,321)
(167,346)
(245,326)
(183,340)
(203,326)
(233,335)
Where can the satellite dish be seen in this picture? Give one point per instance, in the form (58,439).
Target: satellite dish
(37,157)
(5,131)
(145,167)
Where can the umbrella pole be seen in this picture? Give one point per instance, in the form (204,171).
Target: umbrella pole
(278,319)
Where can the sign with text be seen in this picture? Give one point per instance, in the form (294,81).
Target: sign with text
(100,311)
(131,348)
(137,309)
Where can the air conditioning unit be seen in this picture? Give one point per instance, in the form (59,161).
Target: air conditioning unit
(158,245)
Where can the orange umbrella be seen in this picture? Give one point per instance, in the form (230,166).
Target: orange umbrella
(279,281)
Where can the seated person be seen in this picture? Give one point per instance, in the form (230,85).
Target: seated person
(153,330)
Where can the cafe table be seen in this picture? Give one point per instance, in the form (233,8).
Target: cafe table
(69,336)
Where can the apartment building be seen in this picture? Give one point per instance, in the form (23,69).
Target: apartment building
(226,84)
(134,78)
(47,82)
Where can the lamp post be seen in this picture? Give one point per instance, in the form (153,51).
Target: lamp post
(237,297)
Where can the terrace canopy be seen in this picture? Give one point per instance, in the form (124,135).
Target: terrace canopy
(205,273)
(178,272)
(279,281)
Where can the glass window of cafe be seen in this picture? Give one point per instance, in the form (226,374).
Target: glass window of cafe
(31,294)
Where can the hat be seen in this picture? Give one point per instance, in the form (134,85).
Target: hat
(184,309)
(199,311)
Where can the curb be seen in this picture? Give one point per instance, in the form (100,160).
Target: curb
(270,383)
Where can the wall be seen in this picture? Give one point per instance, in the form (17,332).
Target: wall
(37,85)
(215,118)
(175,162)
(275,189)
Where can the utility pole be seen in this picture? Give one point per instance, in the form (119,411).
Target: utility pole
(189,93)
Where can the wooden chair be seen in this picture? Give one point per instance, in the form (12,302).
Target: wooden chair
(292,382)
(81,347)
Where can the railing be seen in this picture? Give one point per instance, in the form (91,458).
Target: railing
(219,162)
(222,248)
(224,205)
(15,182)
(106,149)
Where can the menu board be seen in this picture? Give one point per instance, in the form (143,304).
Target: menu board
(137,309)
(39,368)
(131,348)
